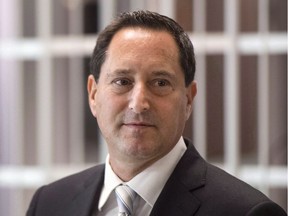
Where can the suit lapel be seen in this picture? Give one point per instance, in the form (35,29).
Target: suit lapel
(86,199)
(177,196)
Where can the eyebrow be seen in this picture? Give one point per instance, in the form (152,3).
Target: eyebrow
(125,72)
(121,72)
(163,73)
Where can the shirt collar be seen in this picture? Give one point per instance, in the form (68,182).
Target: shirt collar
(150,182)
(111,181)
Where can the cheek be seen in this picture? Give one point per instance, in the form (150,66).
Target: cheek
(172,113)
(178,112)
(101,112)
(108,107)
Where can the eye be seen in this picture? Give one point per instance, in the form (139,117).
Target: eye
(161,87)
(121,85)
(122,82)
(161,83)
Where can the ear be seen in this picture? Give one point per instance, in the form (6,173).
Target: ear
(191,92)
(92,89)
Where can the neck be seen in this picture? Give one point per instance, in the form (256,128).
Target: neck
(126,170)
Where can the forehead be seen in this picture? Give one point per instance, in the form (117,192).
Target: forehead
(138,40)
(142,52)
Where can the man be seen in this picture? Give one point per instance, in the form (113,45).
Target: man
(141,92)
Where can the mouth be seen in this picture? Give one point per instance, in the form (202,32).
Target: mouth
(138,124)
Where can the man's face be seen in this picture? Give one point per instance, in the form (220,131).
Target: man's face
(140,100)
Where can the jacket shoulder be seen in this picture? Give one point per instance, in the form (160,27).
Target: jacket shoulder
(220,193)
(57,195)
(232,196)
(82,176)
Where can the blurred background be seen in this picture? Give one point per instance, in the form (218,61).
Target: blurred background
(46,128)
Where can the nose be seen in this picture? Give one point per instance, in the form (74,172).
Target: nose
(139,100)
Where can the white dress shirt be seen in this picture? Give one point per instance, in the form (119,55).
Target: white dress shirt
(148,184)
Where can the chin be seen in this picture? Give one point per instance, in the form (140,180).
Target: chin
(138,150)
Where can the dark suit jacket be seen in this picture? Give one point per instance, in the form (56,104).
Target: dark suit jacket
(194,188)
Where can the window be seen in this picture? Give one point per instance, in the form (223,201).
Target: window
(47,130)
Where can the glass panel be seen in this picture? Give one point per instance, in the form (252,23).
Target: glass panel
(29,18)
(122,6)
(215,15)
(248,16)
(61,110)
(67,103)
(278,109)
(11,98)
(248,109)
(184,15)
(5,204)
(91,16)
(60,11)
(91,127)
(214,103)
(29,109)
(278,15)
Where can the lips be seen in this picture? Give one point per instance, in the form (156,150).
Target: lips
(131,119)
(138,124)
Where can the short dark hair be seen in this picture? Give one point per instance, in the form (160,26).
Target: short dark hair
(149,20)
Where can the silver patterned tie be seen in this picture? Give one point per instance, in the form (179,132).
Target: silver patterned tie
(125,196)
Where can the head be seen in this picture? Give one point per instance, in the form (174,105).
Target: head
(148,20)
(142,87)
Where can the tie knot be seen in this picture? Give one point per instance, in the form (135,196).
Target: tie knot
(125,196)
